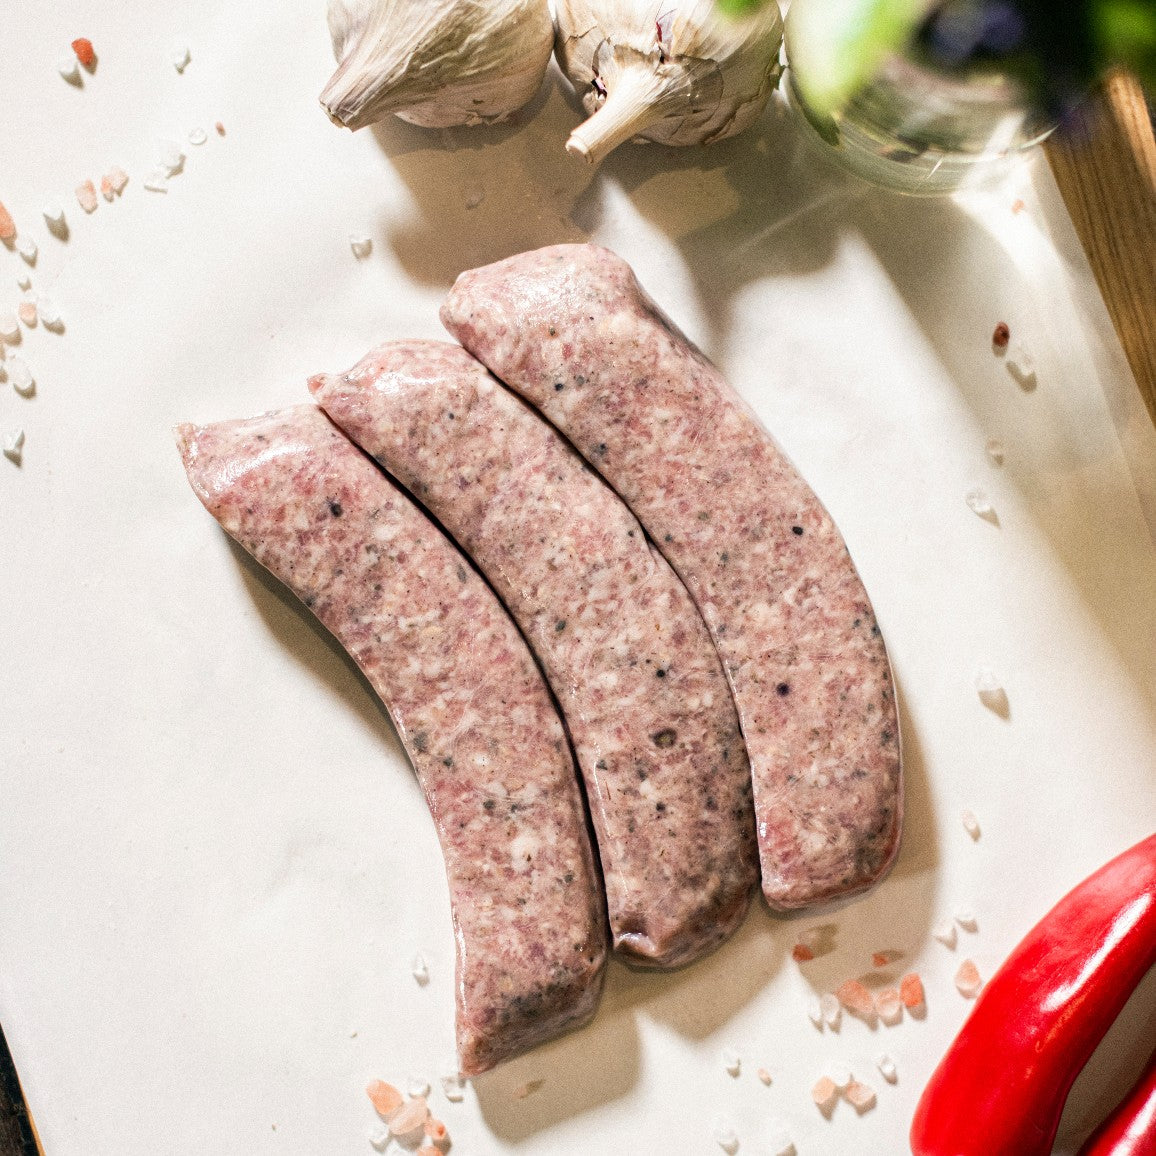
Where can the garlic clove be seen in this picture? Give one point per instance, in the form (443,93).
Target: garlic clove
(690,76)
(435,63)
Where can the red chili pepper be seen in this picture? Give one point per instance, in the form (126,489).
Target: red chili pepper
(1001,1087)
(1131,1129)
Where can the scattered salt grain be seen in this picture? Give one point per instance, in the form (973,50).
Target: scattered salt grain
(856,999)
(475,198)
(409,1120)
(832,1010)
(85,53)
(180,58)
(946,935)
(220,128)
(967,979)
(378,1137)
(911,991)
(69,69)
(417,1087)
(170,157)
(86,196)
(26,247)
(49,313)
(420,970)
(23,280)
(54,215)
(764,1076)
(118,178)
(386,1099)
(9,327)
(725,1137)
(1021,365)
(21,377)
(885,958)
(732,1062)
(436,1131)
(815,1010)
(454,1088)
(157,181)
(886,1066)
(965,917)
(801,953)
(979,503)
(198,136)
(825,1094)
(428,1150)
(995,451)
(361,245)
(779,1141)
(1001,336)
(27,312)
(7,225)
(106,188)
(14,447)
(860,1096)
(527,1089)
(970,823)
(840,1075)
(889,1005)
(991,692)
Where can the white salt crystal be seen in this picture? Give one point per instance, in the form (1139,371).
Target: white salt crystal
(965,917)
(417,1087)
(9,326)
(886,1066)
(946,935)
(23,280)
(157,181)
(991,692)
(118,178)
(180,57)
(361,245)
(49,313)
(420,970)
(69,68)
(378,1137)
(967,979)
(170,157)
(732,1061)
(454,1088)
(86,196)
(815,1010)
(860,1096)
(725,1137)
(970,823)
(995,451)
(21,376)
(979,503)
(1021,365)
(832,1009)
(26,247)
(14,446)
(198,136)
(54,214)
(839,1075)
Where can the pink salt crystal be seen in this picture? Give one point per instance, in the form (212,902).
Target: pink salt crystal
(27,311)
(7,225)
(86,196)
(856,999)
(967,979)
(106,188)
(410,1118)
(911,991)
(386,1099)
(824,1093)
(801,953)
(764,1076)
(117,178)
(860,1096)
(889,1005)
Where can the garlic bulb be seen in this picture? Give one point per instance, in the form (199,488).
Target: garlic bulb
(435,63)
(678,72)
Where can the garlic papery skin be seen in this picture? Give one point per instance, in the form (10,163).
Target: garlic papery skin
(664,71)
(435,63)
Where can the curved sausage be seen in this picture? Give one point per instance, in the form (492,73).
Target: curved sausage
(467,699)
(570,329)
(625,650)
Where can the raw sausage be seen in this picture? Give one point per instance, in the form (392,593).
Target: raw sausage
(622,644)
(467,699)
(570,329)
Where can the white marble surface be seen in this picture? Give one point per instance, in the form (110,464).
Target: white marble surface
(215,866)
